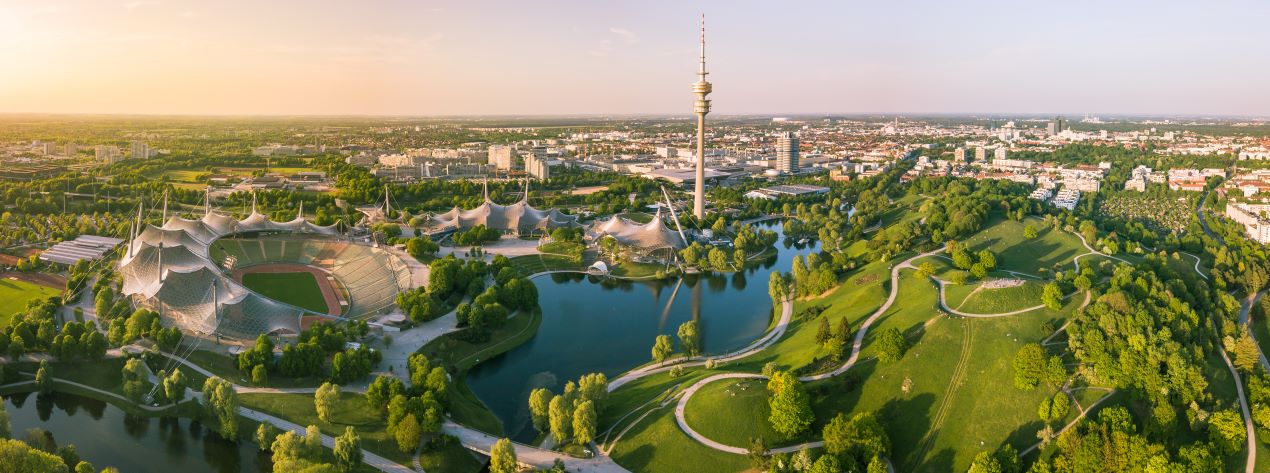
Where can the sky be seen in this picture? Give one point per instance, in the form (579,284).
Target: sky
(547,57)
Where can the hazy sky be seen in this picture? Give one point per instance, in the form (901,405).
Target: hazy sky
(608,57)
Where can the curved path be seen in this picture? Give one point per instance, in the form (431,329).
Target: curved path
(856,345)
(787,311)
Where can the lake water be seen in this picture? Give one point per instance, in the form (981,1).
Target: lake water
(105,436)
(605,325)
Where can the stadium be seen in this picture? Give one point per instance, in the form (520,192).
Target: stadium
(241,278)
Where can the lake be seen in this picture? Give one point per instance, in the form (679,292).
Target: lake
(592,324)
(106,436)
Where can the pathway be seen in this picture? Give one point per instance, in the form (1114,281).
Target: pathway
(1245,321)
(538,458)
(787,311)
(856,346)
(1251,466)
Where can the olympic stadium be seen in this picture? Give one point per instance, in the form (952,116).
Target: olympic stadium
(241,278)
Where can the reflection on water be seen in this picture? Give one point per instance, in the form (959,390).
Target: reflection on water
(608,325)
(105,436)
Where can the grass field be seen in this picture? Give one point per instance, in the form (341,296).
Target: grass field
(351,410)
(299,289)
(992,301)
(14,296)
(732,411)
(1051,248)
(530,264)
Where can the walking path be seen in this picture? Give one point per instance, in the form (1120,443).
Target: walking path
(538,458)
(787,311)
(1251,466)
(856,346)
(1245,320)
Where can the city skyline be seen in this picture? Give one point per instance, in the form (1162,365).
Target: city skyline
(575,58)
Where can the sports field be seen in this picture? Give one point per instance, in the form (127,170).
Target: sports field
(15,294)
(299,289)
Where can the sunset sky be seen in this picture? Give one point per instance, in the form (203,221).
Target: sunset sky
(608,57)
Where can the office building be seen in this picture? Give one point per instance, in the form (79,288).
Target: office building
(501,157)
(787,153)
(140,150)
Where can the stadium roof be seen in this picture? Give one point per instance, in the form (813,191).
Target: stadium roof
(651,235)
(517,217)
(169,269)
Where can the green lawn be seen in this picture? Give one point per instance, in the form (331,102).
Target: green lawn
(636,270)
(561,248)
(299,289)
(351,410)
(1052,247)
(530,264)
(14,296)
(732,411)
(656,445)
(992,301)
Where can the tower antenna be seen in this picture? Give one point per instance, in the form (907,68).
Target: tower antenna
(701,106)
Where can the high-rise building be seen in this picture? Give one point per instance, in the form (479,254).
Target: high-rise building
(537,167)
(959,154)
(500,156)
(71,149)
(140,150)
(1001,153)
(701,88)
(981,154)
(108,154)
(787,153)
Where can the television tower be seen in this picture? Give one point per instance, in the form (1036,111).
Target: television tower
(701,106)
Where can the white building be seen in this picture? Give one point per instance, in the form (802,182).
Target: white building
(1001,153)
(501,157)
(1066,199)
(537,167)
(1040,193)
(1252,217)
(140,150)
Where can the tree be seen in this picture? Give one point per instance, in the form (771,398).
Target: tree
(584,422)
(826,464)
(876,465)
(891,345)
(790,406)
(926,269)
(1029,231)
(985,462)
(18,456)
(43,381)
(324,400)
(348,450)
(408,433)
(1247,354)
(662,348)
(1029,366)
(561,419)
(1226,431)
(174,386)
(382,390)
(823,333)
(502,457)
(266,433)
(6,427)
(221,404)
(689,338)
(84,467)
(1043,411)
(1052,297)
(1059,406)
(978,270)
(861,437)
(540,408)
(259,375)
